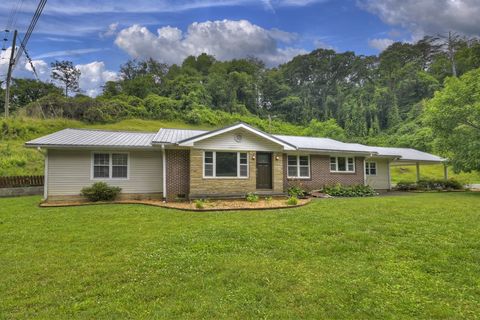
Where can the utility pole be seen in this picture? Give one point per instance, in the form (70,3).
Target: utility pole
(9,73)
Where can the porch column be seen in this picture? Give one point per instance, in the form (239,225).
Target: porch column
(445,171)
(418,171)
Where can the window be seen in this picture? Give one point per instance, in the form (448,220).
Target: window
(298,166)
(225,164)
(110,166)
(371,168)
(342,164)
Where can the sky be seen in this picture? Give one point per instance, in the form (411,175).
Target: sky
(98,36)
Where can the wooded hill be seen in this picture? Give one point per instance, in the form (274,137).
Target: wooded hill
(377,100)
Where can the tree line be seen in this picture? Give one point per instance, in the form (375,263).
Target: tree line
(370,99)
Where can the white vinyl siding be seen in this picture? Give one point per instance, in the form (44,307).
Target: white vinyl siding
(298,166)
(380,179)
(342,164)
(70,170)
(248,142)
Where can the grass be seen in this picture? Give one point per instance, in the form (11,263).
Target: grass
(435,171)
(413,256)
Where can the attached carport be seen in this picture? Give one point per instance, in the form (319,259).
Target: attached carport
(412,157)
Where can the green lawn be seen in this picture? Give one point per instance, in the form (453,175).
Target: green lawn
(435,171)
(412,256)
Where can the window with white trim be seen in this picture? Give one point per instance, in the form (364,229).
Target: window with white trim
(298,166)
(371,168)
(342,164)
(110,166)
(225,164)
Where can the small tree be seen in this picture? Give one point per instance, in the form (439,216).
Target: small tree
(66,73)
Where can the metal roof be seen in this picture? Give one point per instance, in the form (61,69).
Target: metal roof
(327,144)
(93,138)
(175,135)
(408,154)
(123,139)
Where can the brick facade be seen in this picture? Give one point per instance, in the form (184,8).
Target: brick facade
(231,186)
(178,173)
(320,174)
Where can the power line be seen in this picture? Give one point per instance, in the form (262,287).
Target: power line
(31,64)
(35,18)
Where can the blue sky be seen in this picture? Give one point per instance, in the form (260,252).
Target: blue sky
(99,35)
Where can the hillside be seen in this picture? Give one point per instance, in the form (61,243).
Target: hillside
(15,159)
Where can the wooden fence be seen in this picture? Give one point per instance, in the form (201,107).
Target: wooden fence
(21,181)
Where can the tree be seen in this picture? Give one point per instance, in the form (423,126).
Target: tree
(66,73)
(454,116)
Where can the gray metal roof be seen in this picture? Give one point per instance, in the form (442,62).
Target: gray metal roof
(123,139)
(408,154)
(175,135)
(94,138)
(313,143)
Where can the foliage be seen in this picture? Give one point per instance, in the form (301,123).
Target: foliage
(200,203)
(406,186)
(292,201)
(66,73)
(349,191)
(429,184)
(296,191)
(268,199)
(100,191)
(252,197)
(454,116)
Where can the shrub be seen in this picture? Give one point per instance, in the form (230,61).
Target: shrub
(200,203)
(100,191)
(295,191)
(292,201)
(251,197)
(349,191)
(406,186)
(429,184)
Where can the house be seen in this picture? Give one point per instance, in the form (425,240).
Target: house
(231,161)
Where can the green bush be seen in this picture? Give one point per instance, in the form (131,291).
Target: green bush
(200,203)
(429,185)
(349,191)
(100,191)
(406,186)
(295,191)
(252,197)
(292,201)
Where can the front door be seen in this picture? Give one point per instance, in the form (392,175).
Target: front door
(264,170)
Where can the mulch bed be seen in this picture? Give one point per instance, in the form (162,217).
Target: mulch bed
(211,205)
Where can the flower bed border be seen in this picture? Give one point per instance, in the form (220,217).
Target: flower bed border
(163,205)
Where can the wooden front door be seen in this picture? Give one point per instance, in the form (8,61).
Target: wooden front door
(264,170)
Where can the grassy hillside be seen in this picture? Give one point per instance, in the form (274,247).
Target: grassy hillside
(15,159)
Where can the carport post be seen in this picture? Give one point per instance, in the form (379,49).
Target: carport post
(445,171)
(418,171)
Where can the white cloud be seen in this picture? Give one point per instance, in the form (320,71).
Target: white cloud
(68,53)
(111,30)
(93,77)
(428,16)
(224,39)
(380,43)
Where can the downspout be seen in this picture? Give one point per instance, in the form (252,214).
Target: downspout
(164,172)
(45,177)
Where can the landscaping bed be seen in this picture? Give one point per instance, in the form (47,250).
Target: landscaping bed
(209,205)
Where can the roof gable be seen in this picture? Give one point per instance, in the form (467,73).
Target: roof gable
(209,134)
